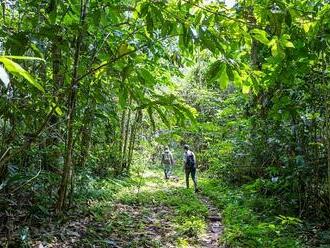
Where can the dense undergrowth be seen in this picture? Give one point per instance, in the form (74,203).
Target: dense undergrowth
(144,210)
(250,220)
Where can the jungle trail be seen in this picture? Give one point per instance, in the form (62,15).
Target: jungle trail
(93,91)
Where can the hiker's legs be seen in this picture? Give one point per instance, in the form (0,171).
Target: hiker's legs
(169,173)
(193,176)
(166,169)
(187,172)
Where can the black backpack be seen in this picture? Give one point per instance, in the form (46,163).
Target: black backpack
(190,161)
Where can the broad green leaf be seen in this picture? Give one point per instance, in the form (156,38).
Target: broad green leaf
(146,76)
(285,42)
(245,89)
(288,44)
(16,69)
(260,35)
(179,116)
(307,26)
(237,79)
(274,49)
(223,79)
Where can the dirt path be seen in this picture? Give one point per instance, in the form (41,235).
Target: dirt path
(156,213)
(215,227)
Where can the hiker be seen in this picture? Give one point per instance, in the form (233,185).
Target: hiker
(189,160)
(167,162)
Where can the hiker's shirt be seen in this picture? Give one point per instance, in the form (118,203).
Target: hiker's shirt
(167,158)
(185,157)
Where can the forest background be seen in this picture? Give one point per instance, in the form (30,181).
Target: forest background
(92,91)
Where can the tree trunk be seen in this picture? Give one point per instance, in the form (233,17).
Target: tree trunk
(122,138)
(126,136)
(134,130)
(68,165)
(327,119)
(86,134)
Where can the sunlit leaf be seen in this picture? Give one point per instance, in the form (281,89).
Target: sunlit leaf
(124,49)
(288,44)
(24,58)
(237,79)
(260,35)
(307,26)
(58,110)
(245,89)
(16,69)
(223,79)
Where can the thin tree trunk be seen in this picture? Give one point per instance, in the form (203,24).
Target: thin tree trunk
(134,130)
(122,138)
(327,118)
(68,165)
(126,138)
(86,134)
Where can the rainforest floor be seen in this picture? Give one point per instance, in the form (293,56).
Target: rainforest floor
(144,210)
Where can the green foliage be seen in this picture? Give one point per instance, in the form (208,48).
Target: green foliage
(192,227)
(247,87)
(16,69)
(251,223)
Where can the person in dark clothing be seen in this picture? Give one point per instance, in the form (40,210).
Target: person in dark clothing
(189,160)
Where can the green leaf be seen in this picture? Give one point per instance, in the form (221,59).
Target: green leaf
(146,76)
(274,49)
(151,117)
(285,41)
(57,109)
(246,89)
(237,79)
(163,116)
(307,26)
(16,69)
(24,58)
(213,71)
(260,35)
(224,80)
(125,49)
(123,95)
(288,44)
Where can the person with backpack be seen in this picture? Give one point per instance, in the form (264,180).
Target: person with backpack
(167,162)
(190,166)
